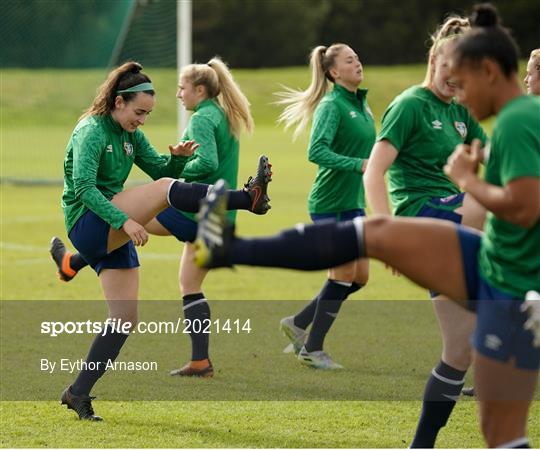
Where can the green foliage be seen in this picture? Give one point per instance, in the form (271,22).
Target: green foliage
(246,33)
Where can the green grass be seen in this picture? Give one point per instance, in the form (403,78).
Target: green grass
(38,112)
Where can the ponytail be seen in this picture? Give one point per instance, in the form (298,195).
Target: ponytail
(219,83)
(124,77)
(300,105)
(452,27)
(231,98)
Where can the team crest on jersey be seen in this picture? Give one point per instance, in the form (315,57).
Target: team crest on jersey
(461,129)
(128,148)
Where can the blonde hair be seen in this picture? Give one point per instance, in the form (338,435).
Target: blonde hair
(535,58)
(127,75)
(300,105)
(219,83)
(453,27)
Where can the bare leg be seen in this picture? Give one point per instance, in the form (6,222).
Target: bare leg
(356,271)
(191,276)
(505,394)
(457,326)
(473,213)
(425,250)
(141,204)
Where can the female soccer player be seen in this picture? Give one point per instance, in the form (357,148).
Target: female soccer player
(532,79)
(220,112)
(420,130)
(105,222)
(498,267)
(341,139)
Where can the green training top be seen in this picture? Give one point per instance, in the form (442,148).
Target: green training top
(342,136)
(99,157)
(509,256)
(218,154)
(425,131)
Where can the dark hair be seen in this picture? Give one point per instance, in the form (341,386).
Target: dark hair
(127,75)
(487,39)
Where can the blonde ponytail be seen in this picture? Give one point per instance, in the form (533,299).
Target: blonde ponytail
(219,83)
(300,105)
(231,98)
(453,27)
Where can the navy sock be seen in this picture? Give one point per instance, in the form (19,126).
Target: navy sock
(305,317)
(442,390)
(354,287)
(104,349)
(238,200)
(187,197)
(306,247)
(77,262)
(197,311)
(329,302)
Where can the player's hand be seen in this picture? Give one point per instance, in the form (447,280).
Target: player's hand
(364,165)
(464,162)
(394,271)
(136,232)
(531,306)
(184,148)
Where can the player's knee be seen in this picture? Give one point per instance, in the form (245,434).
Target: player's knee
(458,355)
(164,183)
(376,233)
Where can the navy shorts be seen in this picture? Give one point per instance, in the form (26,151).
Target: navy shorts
(89,235)
(499,332)
(178,224)
(341,216)
(443,208)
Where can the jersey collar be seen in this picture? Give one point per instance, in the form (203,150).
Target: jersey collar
(113,124)
(354,97)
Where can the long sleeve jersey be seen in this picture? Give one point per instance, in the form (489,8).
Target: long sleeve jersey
(218,154)
(99,158)
(342,136)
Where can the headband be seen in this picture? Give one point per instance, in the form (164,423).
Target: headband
(138,88)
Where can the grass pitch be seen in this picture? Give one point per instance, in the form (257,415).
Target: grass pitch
(39,110)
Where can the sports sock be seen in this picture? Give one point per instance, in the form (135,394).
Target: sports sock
(516,443)
(187,197)
(329,302)
(305,317)
(441,393)
(77,262)
(197,311)
(238,200)
(305,247)
(104,349)
(354,287)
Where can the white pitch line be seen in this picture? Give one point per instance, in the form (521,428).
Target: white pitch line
(31,219)
(34,249)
